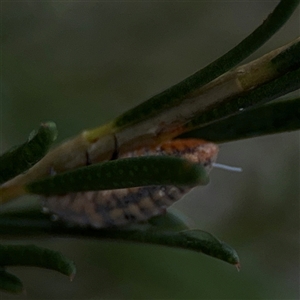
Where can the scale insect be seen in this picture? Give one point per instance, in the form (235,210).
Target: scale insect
(120,207)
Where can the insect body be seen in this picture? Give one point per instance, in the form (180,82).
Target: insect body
(120,207)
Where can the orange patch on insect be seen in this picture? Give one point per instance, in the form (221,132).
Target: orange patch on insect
(194,150)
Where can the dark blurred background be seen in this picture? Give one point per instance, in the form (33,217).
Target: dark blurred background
(81,64)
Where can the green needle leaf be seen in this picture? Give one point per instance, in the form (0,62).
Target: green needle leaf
(123,173)
(10,283)
(208,244)
(195,240)
(31,255)
(268,119)
(21,158)
(262,94)
(289,59)
(175,94)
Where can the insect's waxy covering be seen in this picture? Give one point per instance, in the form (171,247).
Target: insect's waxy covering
(124,206)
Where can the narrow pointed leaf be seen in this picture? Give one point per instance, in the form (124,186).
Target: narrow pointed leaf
(268,119)
(208,244)
(288,60)
(31,255)
(175,94)
(10,283)
(195,240)
(262,94)
(123,173)
(21,158)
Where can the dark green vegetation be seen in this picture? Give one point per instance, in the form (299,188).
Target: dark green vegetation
(27,225)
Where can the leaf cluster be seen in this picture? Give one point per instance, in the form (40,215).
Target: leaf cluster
(237,115)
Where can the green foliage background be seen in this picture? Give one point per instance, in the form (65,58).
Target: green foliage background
(82,64)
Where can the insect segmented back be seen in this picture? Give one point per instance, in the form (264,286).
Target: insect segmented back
(121,207)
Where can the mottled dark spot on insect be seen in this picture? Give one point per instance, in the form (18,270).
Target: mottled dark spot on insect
(181,190)
(144,192)
(170,196)
(130,217)
(126,201)
(147,212)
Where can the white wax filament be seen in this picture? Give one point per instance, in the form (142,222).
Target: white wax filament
(228,168)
